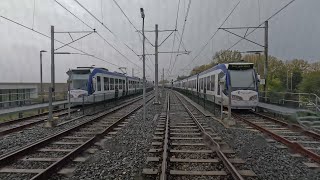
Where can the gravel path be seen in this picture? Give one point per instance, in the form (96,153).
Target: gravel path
(123,156)
(265,159)
(16,140)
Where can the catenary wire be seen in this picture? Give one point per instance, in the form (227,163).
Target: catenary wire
(42,34)
(99,34)
(183,28)
(214,34)
(273,15)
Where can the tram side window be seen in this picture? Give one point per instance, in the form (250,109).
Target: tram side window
(116,82)
(212,82)
(120,83)
(220,75)
(106,83)
(98,83)
(201,83)
(208,83)
(111,84)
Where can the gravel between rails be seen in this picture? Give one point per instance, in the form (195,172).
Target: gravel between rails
(123,156)
(14,141)
(265,159)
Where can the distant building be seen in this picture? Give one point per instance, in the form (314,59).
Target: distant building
(19,94)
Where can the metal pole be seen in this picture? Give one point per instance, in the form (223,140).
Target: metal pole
(41,85)
(259,69)
(162,79)
(49,121)
(144,68)
(229,104)
(266,56)
(69,104)
(83,105)
(156,101)
(287,80)
(221,100)
(51,89)
(291,81)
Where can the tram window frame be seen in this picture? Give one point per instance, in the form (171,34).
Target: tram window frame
(116,83)
(208,83)
(98,83)
(213,80)
(106,83)
(111,83)
(120,83)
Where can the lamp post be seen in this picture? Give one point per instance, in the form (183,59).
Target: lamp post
(41,83)
(144,69)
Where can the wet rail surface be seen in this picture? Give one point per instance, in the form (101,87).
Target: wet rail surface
(184,147)
(299,140)
(46,156)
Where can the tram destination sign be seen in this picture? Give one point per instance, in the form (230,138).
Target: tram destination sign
(242,66)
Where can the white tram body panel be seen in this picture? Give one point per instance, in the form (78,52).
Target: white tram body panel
(241,78)
(89,84)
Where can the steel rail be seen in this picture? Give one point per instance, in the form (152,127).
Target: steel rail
(164,164)
(213,144)
(292,145)
(27,118)
(54,167)
(6,154)
(23,126)
(32,123)
(9,157)
(291,126)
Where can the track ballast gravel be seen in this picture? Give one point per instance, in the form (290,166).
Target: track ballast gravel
(265,159)
(123,156)
(16,140)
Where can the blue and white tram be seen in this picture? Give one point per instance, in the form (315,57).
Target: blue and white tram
(240,77)
(90,84)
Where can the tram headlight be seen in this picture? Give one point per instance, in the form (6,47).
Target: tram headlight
(81,95)
(252,98)
(237,98)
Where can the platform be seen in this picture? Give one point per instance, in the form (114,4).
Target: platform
(30,107)
(277,109)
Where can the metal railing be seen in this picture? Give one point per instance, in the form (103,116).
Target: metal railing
(293,100)
(9,100)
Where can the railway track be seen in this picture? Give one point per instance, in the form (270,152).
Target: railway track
(299,140)
(46,156)
(185,147)
(22,123)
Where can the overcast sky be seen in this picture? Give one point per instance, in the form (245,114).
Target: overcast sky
(293,33)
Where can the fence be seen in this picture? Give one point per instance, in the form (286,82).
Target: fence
(8,100)
(293,100)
